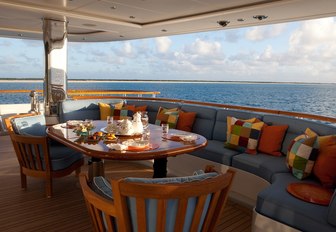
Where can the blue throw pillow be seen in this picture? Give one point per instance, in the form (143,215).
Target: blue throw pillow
(32,125)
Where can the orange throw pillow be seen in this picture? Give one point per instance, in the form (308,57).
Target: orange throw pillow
(140,108)
(325,166)
(271,139)
(186,121)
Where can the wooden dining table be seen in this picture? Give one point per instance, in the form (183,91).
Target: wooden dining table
(159,148)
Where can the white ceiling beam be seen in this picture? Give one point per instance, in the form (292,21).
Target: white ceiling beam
(64,13)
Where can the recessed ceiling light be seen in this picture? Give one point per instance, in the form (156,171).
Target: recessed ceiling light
(260,17)
(223,23)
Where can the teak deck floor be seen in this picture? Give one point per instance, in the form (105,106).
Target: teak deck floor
(30,210)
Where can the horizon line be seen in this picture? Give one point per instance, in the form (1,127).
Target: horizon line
(153,80)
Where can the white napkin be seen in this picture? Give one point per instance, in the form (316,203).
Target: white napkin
(117,146)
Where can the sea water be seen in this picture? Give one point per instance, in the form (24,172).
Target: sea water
(317,99)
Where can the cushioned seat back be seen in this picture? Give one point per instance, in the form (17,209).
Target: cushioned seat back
(190,203)
(153,107)
(220,127)
(82,109)
(297,127)
(32,125)
(172,204)
(204,121)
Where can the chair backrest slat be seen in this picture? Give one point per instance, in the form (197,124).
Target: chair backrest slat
(201,202)
(161,210)
(141,214)
(98,214)
(21,150)
(31,152)
(38,157)
(109,222)
(181,213)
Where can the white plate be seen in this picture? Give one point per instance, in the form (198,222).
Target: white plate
(74,122)
(105,131)
(133,143)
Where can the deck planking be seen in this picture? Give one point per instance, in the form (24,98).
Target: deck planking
(29,210)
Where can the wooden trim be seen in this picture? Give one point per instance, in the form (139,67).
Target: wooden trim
(85,91)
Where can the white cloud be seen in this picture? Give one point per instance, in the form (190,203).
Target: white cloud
(201,48)
(265,32)
(163,44)
(315,36)
(127,49)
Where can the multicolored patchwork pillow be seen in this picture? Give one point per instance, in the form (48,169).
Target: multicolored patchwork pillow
(301,156)
(169,116)
(123,113)
(231,120)
(105,109)
(244,136)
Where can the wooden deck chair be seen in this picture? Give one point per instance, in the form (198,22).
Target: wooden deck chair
(37,156)
(191,203)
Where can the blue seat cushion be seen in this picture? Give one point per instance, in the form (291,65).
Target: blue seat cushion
(102,187)
(31,125)
(260,164)
(215,151)
(276,203)
(62,157)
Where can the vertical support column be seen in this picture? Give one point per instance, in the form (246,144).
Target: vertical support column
(55,80)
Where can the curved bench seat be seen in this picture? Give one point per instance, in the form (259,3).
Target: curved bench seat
(276,203)
(273,202)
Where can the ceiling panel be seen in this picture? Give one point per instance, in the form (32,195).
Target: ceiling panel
(151,17)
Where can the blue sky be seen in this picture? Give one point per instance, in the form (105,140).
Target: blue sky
(302,51)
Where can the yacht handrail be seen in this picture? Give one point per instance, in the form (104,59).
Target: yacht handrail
(225,106)
(74,92)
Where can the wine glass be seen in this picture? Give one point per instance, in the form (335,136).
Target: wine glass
(144,119)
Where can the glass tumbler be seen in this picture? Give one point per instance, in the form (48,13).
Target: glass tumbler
(165,130)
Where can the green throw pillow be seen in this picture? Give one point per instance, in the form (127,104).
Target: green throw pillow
(301,156)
